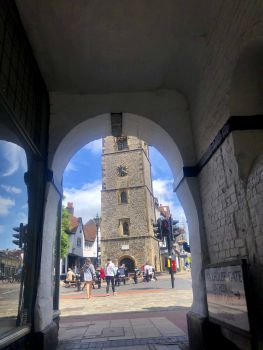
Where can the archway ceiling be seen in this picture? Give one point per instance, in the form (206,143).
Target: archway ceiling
(104,46)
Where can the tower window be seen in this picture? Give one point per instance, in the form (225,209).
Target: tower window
(125,227)
(124,198)
(78,242)
(122,143)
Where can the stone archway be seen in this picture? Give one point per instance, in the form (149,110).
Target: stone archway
(128,261)
(187,191)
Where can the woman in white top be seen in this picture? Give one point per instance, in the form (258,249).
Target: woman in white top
(110,272)
(89,273)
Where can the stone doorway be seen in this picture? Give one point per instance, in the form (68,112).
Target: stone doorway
(128,262)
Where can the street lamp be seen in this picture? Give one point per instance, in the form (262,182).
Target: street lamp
(97,222)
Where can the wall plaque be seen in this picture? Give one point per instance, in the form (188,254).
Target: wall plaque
(226,297)
(125,247)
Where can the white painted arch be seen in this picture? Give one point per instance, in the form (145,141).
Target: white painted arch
(100,127)
(90,130)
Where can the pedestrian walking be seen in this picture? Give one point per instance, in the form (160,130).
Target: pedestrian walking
(148,271)
(120,276)
(102,273)
(89,274)
(135,276)
(110,272)
(97,280)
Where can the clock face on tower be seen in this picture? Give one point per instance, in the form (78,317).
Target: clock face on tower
(122,170)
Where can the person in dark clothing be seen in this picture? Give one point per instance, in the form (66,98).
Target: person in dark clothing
(78,282)
(135,276)
(97,280)
(120,276)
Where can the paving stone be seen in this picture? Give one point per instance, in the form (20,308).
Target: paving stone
(135,347)
(93,340)
(146,332)
(167,347)
(75,333)
(113,332)
(166,327)
(76,324)
(124,337)
(141,321)
(128,331)
(96,329)
(120,323)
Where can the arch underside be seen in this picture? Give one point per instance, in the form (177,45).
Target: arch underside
(128,261)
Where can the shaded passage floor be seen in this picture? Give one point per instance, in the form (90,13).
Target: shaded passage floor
(134,333)
(146,316)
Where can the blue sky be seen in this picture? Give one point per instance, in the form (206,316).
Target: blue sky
(81,182)
(13,191)
(82,186)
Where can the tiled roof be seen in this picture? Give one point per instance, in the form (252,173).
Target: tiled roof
(90,231)
(13,253)
(74,223)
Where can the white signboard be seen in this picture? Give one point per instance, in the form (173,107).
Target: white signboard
(226,295)
(125,247)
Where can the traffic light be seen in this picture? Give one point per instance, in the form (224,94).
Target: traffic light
(186,247)
(157,230)
(165,227)
(175,229)
(20,235)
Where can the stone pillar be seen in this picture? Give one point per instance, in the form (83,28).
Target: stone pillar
(188,193)
(46,336)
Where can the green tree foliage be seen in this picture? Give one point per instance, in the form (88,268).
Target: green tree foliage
(65,224)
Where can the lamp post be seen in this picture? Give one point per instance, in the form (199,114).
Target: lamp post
(97,222)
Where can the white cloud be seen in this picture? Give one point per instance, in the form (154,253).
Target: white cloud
(22,217)
(11,189)
(95,146)
(2,229)
(5,205)
(71,167)
(86,200)
(163,190)
(15,157)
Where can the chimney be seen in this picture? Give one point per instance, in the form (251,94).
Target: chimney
(165,210)
(70,208)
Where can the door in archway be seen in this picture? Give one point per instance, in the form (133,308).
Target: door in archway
(129,263)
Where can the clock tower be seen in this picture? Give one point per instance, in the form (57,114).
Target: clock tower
(127,204)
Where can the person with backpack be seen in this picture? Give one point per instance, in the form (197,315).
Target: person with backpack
(89,275)
(120,276)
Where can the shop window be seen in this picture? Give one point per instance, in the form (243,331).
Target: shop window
(88,244)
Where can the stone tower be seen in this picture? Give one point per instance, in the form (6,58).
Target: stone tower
(127,204)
